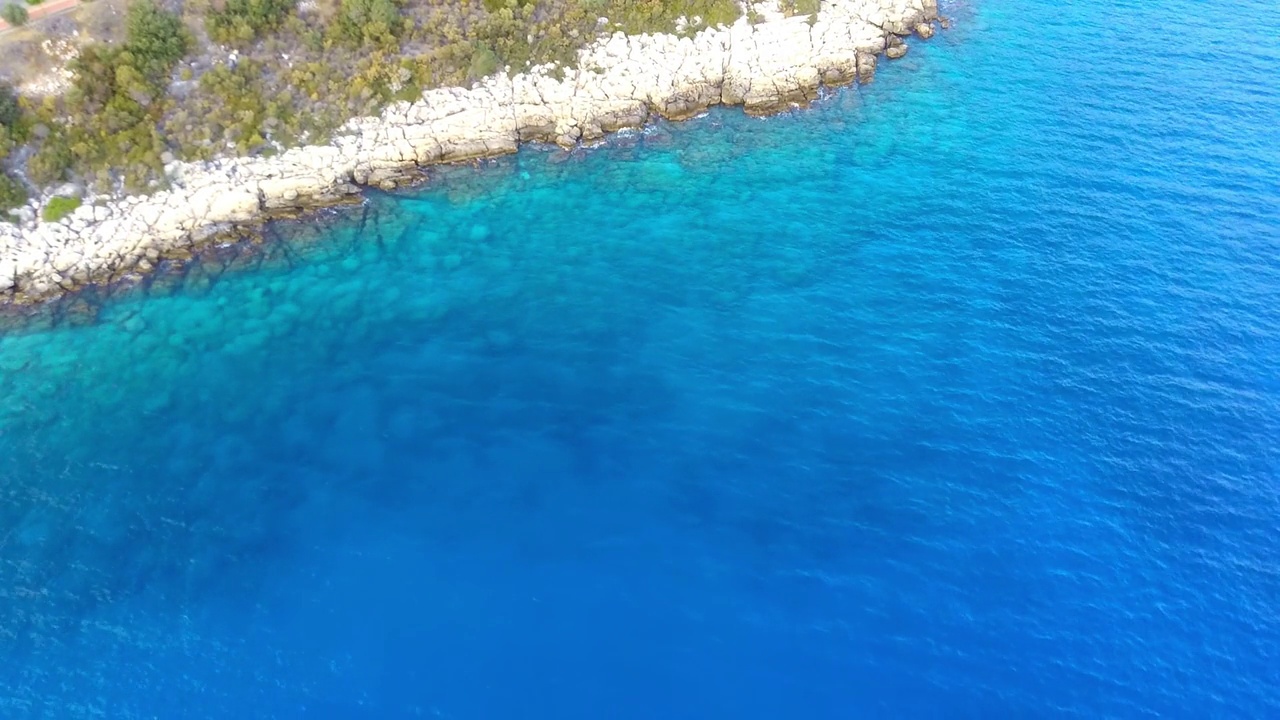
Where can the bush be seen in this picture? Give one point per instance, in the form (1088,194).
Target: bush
(108,126)
(238,109)
(51,160)
(651,16)
(156,39)
(12,195)
(59,207)
(484,62)
(10,110)
(244,20)
(799,7)
(15,15)
(368,22)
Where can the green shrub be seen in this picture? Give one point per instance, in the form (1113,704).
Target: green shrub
(51,161)
(6,142)
(15,15)
(108,125)
(10,110)
(484,62)
(59,207)
(12,194)
(244,20)
(368,22)
(792,8)
(651,16)
(156,39)
(496,5)
(237,109)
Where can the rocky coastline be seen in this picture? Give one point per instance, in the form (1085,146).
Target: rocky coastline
(620,82)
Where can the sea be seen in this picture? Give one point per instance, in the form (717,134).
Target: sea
(955,395)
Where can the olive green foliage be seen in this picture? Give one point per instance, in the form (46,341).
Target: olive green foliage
(240,21)
(114,108)
(15,15)
(157,39)
(10,110)
(52,159)
(792,8)
(496,5)
(484,62)
(12,195)
(234,113)
(12,192)
(12,127)
(368,22)
(641,16)
(59,207)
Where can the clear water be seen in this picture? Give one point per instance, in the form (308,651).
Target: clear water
(955,396)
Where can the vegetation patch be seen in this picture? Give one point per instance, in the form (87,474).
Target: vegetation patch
(792,8)
(241,21)
(12,195)
(59,207)
(12,132)
(109,121)
(654,16)
(14,14)
(298,72)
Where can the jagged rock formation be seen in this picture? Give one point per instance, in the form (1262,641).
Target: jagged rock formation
(619,82)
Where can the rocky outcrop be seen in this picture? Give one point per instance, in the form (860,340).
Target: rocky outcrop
(619,82)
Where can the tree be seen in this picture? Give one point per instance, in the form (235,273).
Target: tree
(15,15)
(107,127)
(243,20)
(369,22)
(10,111)
(157,39)
(12,131)
(12,195)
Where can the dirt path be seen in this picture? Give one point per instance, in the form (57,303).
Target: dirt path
(36,12)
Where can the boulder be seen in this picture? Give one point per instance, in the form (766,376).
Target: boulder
(71,190)
(233,205)
(866,67)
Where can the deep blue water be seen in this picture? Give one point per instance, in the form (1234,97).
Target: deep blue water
(954,396)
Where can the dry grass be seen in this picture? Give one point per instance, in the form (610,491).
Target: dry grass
(23,60)
(20,55)
(102,20)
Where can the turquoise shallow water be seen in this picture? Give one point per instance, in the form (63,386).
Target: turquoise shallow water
(953,396)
